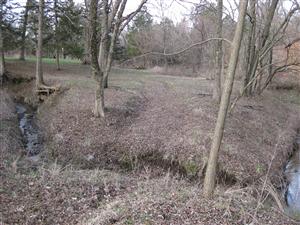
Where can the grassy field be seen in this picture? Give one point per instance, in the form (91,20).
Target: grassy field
(144,163)
(46,60)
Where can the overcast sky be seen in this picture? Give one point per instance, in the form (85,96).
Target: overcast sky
(175,9)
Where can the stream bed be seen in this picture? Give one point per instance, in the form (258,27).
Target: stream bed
(29,129)
(292,173)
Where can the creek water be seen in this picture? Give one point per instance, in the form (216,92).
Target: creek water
(292,172)
(27,123)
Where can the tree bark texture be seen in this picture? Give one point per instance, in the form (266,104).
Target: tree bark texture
(96,70)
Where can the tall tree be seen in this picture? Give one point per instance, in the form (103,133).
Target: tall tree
(2,62)
(24,29)
(219,53)
(112,20)
(210,175)
(87,35)
(251,48)
(56,34)
(39,49)
(96,69)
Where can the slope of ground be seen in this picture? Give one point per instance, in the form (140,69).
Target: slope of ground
(155,128)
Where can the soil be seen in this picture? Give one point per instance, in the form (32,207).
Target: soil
(144,163)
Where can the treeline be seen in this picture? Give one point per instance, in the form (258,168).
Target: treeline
(62,28)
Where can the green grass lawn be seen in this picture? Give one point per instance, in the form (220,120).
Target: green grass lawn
(46,60)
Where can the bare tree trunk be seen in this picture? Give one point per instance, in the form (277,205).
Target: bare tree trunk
(39,68)
(113,19)
(2,61)
(267,27)
(24,28)
(56,35)
(270,62)
(256,59)
(109,57)
(217,89)
(87,36)
(113,42)
(103,52)
(210,176)
(96,70)
(251,48)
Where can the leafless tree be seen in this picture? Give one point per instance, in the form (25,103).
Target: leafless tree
(87,36)
(219,54)
(39,66)
(2,62)
(56,34)
(211,170)
(261,42)
(113,21)
(96,69)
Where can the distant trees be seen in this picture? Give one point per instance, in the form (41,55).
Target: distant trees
(62,25)
(8,35)
(68,31)
(24,29)
(166,37)
(267,29)
(138,38)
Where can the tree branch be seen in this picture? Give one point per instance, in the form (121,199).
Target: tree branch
(180,51)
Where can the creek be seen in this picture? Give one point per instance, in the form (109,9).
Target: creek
(292,173)
(31,135)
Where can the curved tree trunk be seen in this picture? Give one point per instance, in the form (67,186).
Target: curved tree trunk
(210,175)
(24,28)
(39,68)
